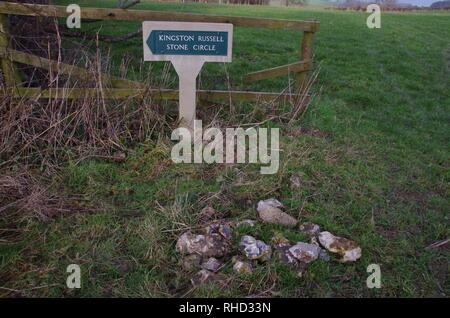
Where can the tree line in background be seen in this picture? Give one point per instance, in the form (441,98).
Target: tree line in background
(359,5)
(440,4)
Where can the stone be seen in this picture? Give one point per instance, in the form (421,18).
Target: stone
(265,250)
(271,202)
(285,256)
(212,264)
(249,223)
(310,229)
(305,252)
(218,228)
(347,249)
(242,267)
(191,261)
(255,249)
(208,245)
(269,212)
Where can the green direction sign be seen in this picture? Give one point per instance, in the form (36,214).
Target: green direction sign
(173,42)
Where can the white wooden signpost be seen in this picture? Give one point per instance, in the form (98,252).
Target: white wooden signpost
(187,45)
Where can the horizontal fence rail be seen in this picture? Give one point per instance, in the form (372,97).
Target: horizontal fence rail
(62,68)
(170,94)
(279,70)
(147,15)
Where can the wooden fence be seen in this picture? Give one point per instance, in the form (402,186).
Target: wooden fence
(123,88)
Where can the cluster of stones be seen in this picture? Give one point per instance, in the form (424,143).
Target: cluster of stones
(304,253)
(209,249)
(205,250)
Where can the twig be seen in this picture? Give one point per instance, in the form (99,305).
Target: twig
(438,244)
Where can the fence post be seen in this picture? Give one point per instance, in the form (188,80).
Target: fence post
(305,54)
(10,72)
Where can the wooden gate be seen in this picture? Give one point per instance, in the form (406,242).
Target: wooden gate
(124,88)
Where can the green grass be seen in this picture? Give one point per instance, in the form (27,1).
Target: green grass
(377,171)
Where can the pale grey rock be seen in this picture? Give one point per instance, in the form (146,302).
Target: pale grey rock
(269,202)
(220,228)
(255,249)
(305,252)
(310,229)
(208,245)
(242,267)
(347,249)
(269,212)
(285,256)
(212,264)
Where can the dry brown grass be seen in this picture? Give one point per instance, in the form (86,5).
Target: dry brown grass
(23,195)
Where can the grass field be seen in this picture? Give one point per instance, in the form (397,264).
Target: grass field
(374,167)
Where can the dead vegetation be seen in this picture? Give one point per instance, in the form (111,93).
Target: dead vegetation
(23,195)
(38,136)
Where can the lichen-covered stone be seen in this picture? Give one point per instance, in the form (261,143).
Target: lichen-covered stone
(347,249)
(310,229)
(220,228)
(208,245)
(212,264)
(242,267)
(271,202)
(305,252)
(282,250)
(255,249)
(269,212)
